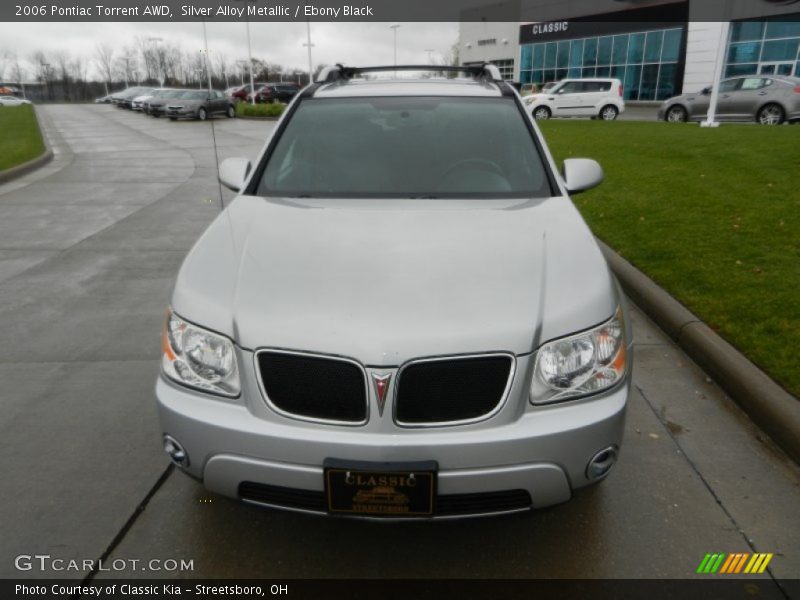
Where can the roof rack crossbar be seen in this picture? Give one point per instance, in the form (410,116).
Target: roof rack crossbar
(339,72)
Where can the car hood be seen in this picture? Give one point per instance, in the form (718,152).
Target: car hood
(384,281)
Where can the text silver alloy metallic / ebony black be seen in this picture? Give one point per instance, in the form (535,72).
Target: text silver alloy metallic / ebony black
(401,315)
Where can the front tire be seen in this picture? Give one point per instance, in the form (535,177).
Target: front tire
(771,114)
(609,113)
(202,114)
(231,112)
(676,114)
(542,113)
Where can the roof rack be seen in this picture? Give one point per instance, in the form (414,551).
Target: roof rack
(485,71)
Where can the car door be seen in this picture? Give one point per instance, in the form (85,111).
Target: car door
(728,97)
(746,100)
(565,101)
(592,96)
(220,102)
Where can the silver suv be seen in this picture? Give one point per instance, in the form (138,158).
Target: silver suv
(401,315)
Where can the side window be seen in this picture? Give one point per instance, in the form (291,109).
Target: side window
(729,85)
(753,83)
(571,87)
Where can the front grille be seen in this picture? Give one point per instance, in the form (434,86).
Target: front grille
(454,389)
(446,505)
(314,387)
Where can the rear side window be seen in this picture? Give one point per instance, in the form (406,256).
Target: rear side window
(596,86)
(406,147)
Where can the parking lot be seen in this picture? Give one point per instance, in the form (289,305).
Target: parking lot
(89,247)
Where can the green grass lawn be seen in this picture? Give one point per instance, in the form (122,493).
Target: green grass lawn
(20,140)
(245,109)
(712,215)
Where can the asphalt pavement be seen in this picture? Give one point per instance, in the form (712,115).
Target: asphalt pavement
(89,247)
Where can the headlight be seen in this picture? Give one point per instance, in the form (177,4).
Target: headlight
(580,364)
(198,358)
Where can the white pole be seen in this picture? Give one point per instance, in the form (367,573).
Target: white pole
(721,52)
(394,28)
(250,62)
(205,53)
(308,44)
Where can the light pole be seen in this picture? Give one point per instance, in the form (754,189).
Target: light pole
(309,45)
(394,27)
(155,40)
(250,58)
(205,54)
(430,52)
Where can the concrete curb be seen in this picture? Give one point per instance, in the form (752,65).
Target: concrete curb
(770,406)
(34,163)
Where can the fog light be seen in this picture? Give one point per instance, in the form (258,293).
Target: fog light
(601,463)
(176,452)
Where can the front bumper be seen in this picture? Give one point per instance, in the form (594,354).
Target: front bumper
(541,450)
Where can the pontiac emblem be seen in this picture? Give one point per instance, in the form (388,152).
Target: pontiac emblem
(381,383)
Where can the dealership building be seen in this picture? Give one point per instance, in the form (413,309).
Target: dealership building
(657,49)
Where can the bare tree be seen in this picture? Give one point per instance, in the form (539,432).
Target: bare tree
(61,62)
(17,73)
(104,58)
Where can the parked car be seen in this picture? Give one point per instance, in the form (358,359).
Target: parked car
(402,302)
(276,92)
(139,102)
(200,104)
(769,100)
(103,99)
(124,99)
(13,101)
(157,105)
(595,97)
(242,93)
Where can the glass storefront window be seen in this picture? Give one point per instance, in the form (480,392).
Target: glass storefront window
(780,50)
(590,52)
(672,46)
(636,48)
(647,90)
(604,51)
(633,76)
(652,47)
(551,50)
(620,52)
(666,81)
(563,55)
(576,54)
(744,31)
(621,56)
(538,56)
(783,29)
(744,52)
(526,58)
(771,47)
(745,69)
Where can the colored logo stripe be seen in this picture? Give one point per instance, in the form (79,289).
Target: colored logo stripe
(734,563)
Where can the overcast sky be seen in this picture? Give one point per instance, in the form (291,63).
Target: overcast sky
(281,43)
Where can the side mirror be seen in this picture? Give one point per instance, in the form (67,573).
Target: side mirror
(581,174)
(706,91)
(233,172)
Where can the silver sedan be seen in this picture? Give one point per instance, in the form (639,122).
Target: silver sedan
(765,99)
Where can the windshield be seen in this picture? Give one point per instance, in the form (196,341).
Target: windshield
(406,147)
